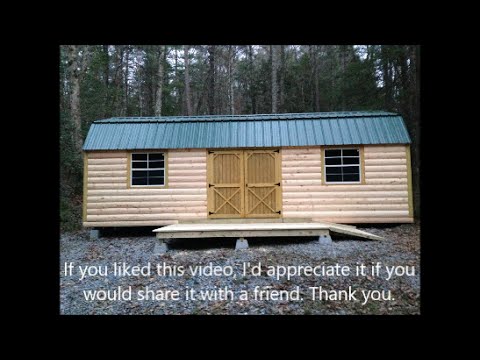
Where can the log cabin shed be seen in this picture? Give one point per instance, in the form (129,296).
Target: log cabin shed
(342,167)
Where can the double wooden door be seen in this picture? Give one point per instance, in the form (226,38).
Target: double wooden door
(244,183)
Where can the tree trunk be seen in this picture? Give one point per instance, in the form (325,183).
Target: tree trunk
(211,80)
(117,79)
(281,79)
(74,79)
(106,76)
(274,49)
(252,89)
(387,78)
(188,101)
(231,56)
(160,74)
(127,70)
(314,65)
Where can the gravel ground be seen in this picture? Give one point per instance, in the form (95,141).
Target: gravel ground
(401,247)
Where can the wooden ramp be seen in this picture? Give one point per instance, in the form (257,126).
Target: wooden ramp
(258,229)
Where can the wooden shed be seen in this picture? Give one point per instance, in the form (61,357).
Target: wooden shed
(343,167)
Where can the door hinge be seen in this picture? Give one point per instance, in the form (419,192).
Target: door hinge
(278,212)
(210,185)
(277,151)
(210,213)
(278,184)
(211,151)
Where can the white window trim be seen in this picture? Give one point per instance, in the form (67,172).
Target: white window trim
(359,157)
(147,169)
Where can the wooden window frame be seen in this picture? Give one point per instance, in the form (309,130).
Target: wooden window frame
(361,165)
(130,169)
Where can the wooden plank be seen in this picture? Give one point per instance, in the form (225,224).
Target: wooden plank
(188,160)
(380,168)
(385,162)
(167,174)
(129,170)
(241,225)
(188,173)
(257,229)
(108,161)
(301,157)
(107,154)
(144,217)
(300,151)
(188,153)
(335,214)
(387,181)
(109,167)
(108,180)
(146,204)
(199,179)
(147,191)
(384,148)
(302,182)
(119,173)
(409,181)
(137,198)
(240,233)
(300,163)
(313,170)
(147,210)
(354,232)
(180,166)
(387,175)
(342,188)
(345,195)
(128,223)
(362,165)
(366,220)
(387,155)
(301,176)
(322,161)
(187,185)
(342,207)
(96,185)
(85,188)
(345,201)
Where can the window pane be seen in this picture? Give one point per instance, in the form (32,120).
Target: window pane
(156,164)
(333,153)
(355,177)
(334,178)
(349,161)
(155,156)
(351,169)
(333,170)
(139,156)
(139,164)
(155,180)
(352,152)
(155,173)
(333,161)
(138,173)
(139,181)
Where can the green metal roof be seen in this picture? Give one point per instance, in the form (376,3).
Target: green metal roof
(237,131)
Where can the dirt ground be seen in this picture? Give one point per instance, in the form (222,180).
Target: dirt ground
(401,247)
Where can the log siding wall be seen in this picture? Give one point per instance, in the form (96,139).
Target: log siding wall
(382,197)
(111,202)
